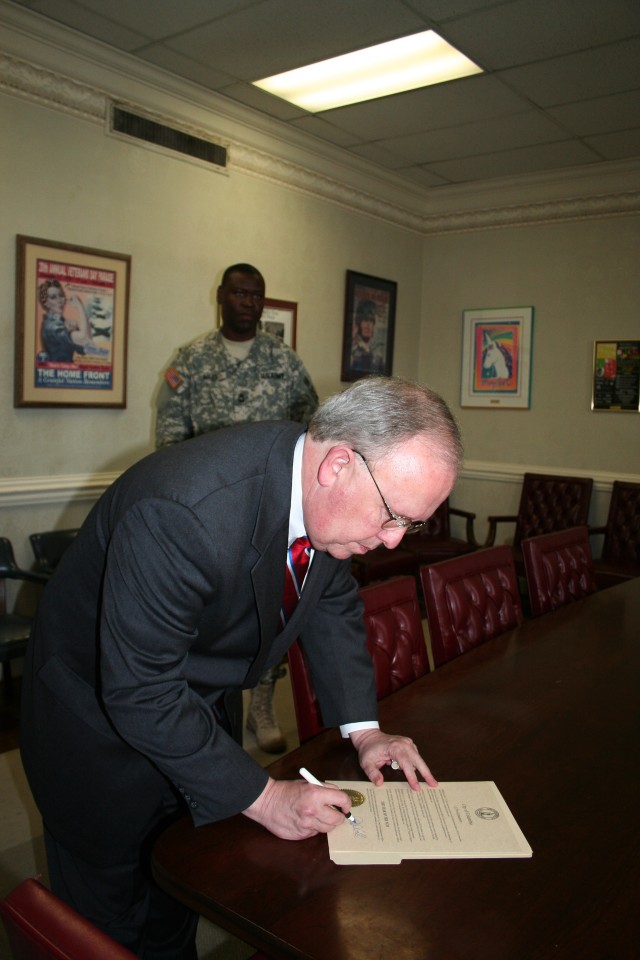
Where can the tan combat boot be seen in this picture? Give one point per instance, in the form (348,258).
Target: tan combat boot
(261,719)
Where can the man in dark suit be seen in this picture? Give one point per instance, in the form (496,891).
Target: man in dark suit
(168,604)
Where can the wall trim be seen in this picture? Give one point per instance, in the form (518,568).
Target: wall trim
(514,472)
(22,78)
(61,490)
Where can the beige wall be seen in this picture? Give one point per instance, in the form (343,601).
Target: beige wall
(582,279)
(64,178)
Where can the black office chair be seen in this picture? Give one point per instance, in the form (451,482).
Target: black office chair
(49,546)
(14,627)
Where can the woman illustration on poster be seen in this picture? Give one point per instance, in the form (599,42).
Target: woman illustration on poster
(61,335)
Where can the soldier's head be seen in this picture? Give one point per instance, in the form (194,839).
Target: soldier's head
(366,319)
(241,299)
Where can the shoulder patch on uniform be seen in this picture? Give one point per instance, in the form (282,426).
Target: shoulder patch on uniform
(173,378)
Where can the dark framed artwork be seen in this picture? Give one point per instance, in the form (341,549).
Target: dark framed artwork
(616,376)
(72,320)
(369,325)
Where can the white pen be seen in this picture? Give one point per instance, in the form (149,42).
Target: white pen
(309,777)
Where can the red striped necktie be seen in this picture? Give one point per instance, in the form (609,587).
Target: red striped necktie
(297,563)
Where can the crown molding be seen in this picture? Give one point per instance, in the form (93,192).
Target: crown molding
(22,78)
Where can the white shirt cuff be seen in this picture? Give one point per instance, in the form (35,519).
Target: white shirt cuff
(348,728)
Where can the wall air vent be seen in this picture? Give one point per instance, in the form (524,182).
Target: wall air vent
(129,124)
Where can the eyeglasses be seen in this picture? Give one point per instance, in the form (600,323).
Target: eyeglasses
(395,520)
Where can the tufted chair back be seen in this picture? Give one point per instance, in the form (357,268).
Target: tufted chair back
(395,640)
(622,531)
(469,600)
(395,637)
(431,543)
(559,569)
(551,503)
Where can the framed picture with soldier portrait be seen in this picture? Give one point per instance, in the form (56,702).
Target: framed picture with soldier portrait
(369,324)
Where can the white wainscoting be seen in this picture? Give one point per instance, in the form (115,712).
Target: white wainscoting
(29,504)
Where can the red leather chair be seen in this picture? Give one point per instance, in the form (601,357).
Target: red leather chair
(620,556)
(547,502)
(395,639)
(40,926)
(469,600)
(431,543)
(559,569)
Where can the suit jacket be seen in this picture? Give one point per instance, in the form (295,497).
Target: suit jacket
(169,597)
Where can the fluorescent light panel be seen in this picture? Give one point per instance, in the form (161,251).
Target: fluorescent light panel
(392,67)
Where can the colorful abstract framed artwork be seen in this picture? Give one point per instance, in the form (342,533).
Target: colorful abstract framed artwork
(496,357)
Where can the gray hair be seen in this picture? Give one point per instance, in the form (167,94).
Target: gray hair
(376,414)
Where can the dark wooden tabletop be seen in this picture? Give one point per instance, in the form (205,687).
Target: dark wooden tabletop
(550,712)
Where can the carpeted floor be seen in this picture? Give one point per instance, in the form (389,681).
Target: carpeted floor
(21,843)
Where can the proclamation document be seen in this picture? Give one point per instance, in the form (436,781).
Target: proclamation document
(395,823)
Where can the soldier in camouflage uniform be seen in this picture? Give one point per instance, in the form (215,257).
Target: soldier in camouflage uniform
(233,375)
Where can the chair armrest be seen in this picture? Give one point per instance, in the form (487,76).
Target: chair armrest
(28,576)
(597,530)
(470,517)
(493,526)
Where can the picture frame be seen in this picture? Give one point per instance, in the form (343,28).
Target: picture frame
(616,376)
(496,358)
(369,326)
(72,324)
(280,317)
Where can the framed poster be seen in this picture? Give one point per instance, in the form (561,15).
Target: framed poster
(496,357)
(72,323)
(369,324)
(280,317)
(616,376)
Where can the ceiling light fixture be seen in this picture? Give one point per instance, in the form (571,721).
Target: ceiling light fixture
(420,60)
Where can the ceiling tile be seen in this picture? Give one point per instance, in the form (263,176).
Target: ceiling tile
(514,162)
(182,66)
(261,100)
(617,146)
(325,131)
(298,34)
(522,31)
(461,101)
(157,19)
(599,115)
(579,76)
(481,137)
(89,22)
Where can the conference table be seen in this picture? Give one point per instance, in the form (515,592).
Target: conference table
(550,713)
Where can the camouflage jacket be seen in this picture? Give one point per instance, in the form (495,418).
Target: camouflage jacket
(206,388)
